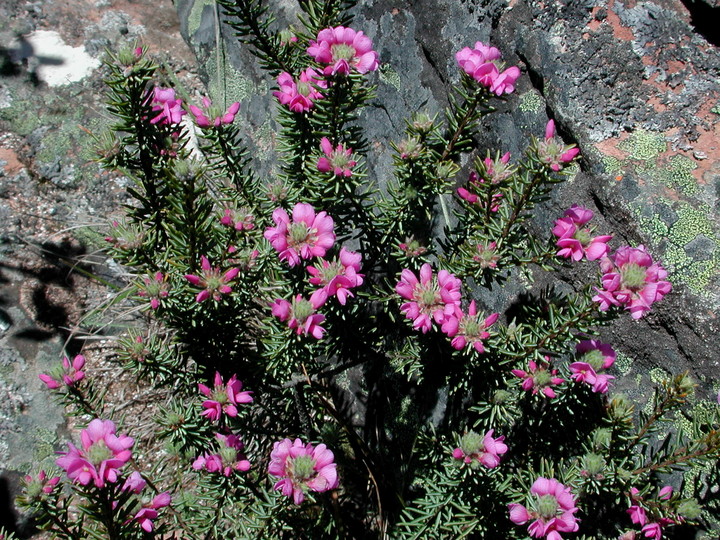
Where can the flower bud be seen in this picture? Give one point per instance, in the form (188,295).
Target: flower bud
(621,408)
(594,464)
(601,438)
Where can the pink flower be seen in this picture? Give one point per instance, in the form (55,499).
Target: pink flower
(35,488)
(552,152)
(480,193)
(307,236)
(336,160)
(300,314)
(552,508)
(302,467)
(149,512)
(487,255)
(223,398)
(631,279)
(540,377)
(652,530)
(240,219)
(66,373)
(211,281)
(155,288)
(637,514)
(412,248)
(169,108)
(299,95)
(476,449)
(593,358)
(228,460)
(431,298)
(576,241)
(597,354)
(102,454)
(343,49)
(482,64)
(336,277)
(468,328)
(212,116)
(135,483)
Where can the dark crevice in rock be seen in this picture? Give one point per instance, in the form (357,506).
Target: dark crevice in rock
(428,57)
(536,79)
(704,19)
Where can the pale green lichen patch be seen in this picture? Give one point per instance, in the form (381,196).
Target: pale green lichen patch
(196,14)
(531,102)
(678,175)
(692,221)
(644,145)
(687,265)
(623,363)
(389,76)
(234,87)
(658,375)
(612,165)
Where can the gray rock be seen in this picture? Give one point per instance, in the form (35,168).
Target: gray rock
(629,85)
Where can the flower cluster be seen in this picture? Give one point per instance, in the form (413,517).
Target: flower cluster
(468,329)
(343,50)
(36,488)
(476,194)
(651,527)
(552,508)
(593,358)
(102,454)
(539,378)
(487,255)
(168,108)
(149,512)
(299,94)
(229,458)
(336,278)
(300,314)
(308,235)
(577,241)
(631,279)
(438,299)
(430,298)
(476,449)
(155,288)
(482,64)
(336,160)
(302,467)
(212,282)
(240,220)
(65,374)
(552,152)
(212,116)
(224,397)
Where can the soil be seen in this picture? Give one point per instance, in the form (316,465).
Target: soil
(55,202)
